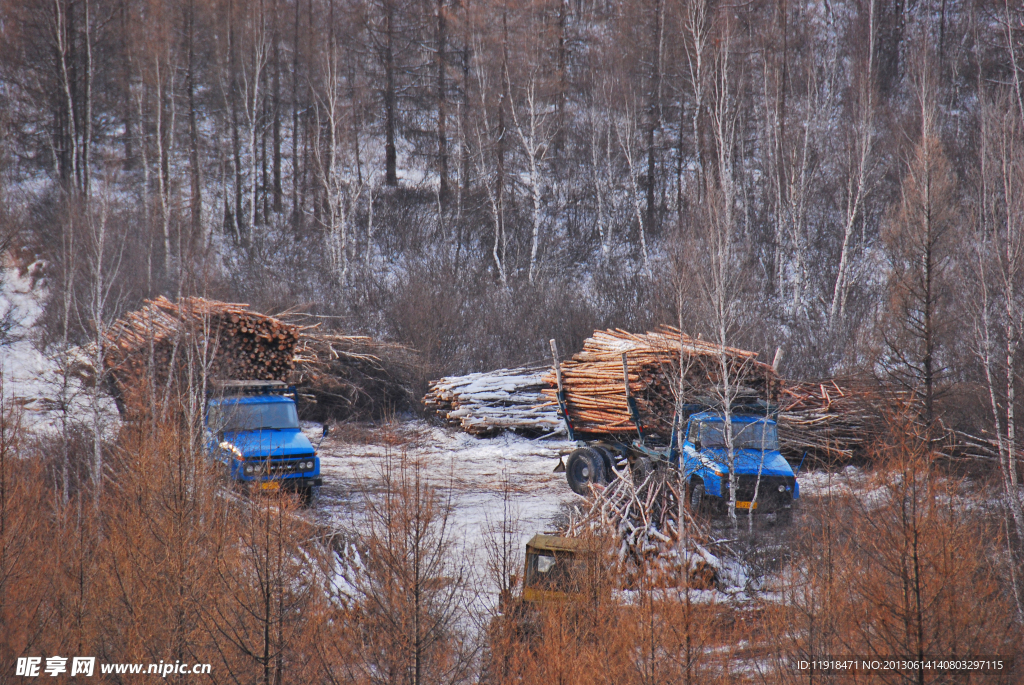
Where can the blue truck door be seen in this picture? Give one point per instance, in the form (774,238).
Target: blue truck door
(691,460)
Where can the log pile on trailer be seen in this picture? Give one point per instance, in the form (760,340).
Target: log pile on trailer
(593,382)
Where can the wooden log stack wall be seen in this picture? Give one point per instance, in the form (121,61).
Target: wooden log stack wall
(152,344)
(488,403)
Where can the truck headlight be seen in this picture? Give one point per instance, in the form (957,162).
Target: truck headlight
(225,445)
(309,465)
(249,469)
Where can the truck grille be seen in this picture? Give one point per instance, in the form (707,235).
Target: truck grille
(768,496)
(284,467)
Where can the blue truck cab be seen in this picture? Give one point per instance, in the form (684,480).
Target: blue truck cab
(253,430)
(759,466)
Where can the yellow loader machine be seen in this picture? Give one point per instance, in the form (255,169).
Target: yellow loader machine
(557,568)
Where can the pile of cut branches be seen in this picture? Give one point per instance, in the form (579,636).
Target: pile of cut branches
(828,422)
(487,403)
(344,377)
(656,531)
(834,421)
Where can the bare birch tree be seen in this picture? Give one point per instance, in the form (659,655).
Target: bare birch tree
(860,160)
(105,251)
(339,190)
(534,137)
(998,265)
(494,188)
(721,277)
(252,76)
(626,127)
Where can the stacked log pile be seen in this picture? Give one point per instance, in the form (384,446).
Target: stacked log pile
(487,403)
(656,534)
(227,339)
(594,388)
(337,376)
(344,377)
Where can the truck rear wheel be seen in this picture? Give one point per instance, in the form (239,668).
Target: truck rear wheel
(584,467)
(608,459)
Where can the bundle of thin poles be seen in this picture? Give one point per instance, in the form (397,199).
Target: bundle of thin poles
(342,377)
(826,421)
(834,421)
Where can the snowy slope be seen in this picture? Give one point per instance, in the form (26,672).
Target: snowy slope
(31,378)
(24,369)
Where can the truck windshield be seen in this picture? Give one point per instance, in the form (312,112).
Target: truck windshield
(247,417)
(746,435)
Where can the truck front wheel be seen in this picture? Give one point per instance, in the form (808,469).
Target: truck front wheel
(696,498)
(784,517)
(308,495)
(584,467)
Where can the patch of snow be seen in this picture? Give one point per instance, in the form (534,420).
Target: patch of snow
(22,365)
(31,378)
(848,481)
(851,481)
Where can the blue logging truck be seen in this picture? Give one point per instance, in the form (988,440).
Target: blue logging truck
(763,480)
(253,430)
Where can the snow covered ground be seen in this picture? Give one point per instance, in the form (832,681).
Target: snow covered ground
(474,466)
(351,468)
